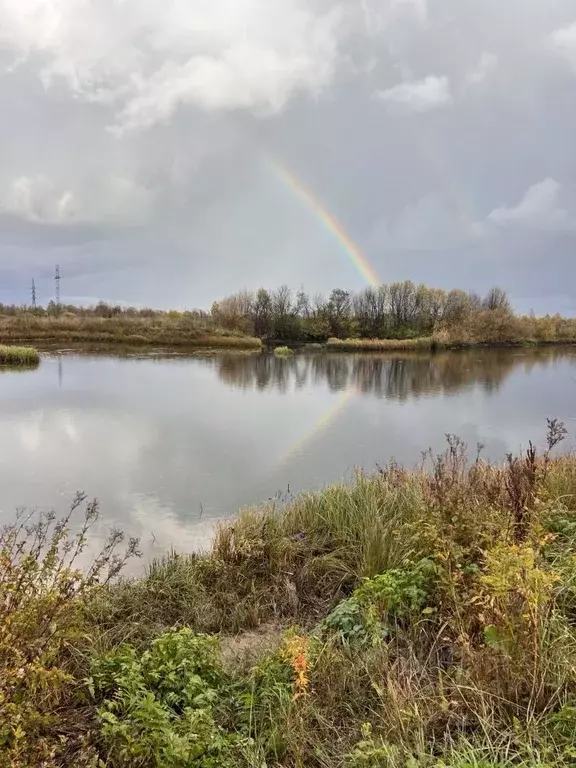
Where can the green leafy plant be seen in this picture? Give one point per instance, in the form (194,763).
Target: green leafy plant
(400,592)
(367,616)
(161,707)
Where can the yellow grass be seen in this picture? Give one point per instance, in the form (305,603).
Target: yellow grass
(18,356)
(378,345)
(161,330)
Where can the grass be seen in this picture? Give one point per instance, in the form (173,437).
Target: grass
(410,619)
(165,330)
(378,345)
(18,356)
(438,341)
(283,352)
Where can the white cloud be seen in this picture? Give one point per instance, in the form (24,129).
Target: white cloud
(43,201)
(564,40)
(539,208)
(418,95)
(35,198)
(485,67)
(148,57)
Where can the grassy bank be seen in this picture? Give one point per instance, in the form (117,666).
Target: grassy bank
(436,342)
(406,620)
(378,345)
(18,356)
(168,329)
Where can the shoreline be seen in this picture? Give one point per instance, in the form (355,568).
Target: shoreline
(431,344)
(135,341)
(423,615)
(223,343)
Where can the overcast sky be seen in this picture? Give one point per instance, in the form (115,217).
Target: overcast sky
(139,140)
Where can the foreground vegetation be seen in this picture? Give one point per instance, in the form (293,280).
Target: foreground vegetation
(20,356)
(409,619)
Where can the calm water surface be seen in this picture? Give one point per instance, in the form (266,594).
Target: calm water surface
(169,445)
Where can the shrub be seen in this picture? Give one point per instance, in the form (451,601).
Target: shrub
(283,352)
(374,607)
(161,707)
(42,595)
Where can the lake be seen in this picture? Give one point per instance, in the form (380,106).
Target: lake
(171,444)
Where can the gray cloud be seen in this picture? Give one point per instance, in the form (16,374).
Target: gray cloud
(565,41)
(135,138)
(486,66)
(418,95)
(539,207)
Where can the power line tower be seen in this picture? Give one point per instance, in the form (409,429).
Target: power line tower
(57,281)
(33,293)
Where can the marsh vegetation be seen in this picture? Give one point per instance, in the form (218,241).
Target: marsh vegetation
(18,356)
(410,618)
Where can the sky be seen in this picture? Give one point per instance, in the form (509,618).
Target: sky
(140,142)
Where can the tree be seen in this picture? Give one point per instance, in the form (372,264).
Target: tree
(235,312)
(262,314)
(282,312)
(302,304)
(496,298)
(402,299)
(457,308)
(371,311)
(339,313)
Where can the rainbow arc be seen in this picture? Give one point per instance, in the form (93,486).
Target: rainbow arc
(330,222)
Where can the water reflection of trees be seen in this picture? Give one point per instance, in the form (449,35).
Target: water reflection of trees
(392,376)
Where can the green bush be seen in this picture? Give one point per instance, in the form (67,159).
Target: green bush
(399,592)
(162,707)
(396,595)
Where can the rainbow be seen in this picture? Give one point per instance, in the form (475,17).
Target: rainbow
(322,425)
(331,223)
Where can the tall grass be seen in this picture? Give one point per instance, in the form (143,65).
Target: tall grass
(418,619)
(378,345)
(283,352)
(159,329)
(18,356)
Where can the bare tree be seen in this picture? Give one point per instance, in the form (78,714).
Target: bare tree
(496,298)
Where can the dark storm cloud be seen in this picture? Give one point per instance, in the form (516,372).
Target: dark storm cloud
(135,141)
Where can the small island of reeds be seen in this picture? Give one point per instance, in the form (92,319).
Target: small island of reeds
(283,352)
(18,356)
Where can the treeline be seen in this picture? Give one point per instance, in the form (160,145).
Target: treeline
(106,311)
(400,310)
